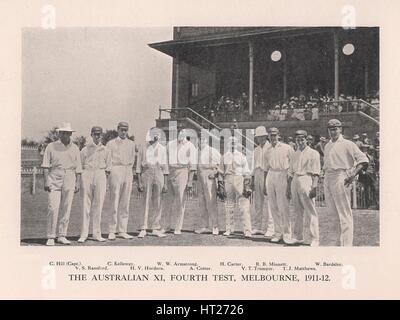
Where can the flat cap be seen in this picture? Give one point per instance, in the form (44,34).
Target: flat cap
(333,123)
(364,146)
(301,133)
(364,134)
(356,136)
(123,125)
(310,136)
(273,130)
(322,139)
(96,129)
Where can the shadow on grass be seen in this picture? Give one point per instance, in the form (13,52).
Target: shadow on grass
(42,241)
(30,241)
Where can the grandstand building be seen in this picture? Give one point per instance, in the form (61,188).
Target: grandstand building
(287,77)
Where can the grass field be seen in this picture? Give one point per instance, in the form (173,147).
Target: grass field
(33,226)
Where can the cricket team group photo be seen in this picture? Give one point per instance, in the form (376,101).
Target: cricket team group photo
(268,142)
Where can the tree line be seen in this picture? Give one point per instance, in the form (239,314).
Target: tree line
(80,141)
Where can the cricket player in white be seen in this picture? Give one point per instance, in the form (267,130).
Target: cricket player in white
(182,161)
(62,170)
(237,176)
(123,151)
(304,171)
(277,159)
(96,163)
(343,161)
(263,223)
(209,166)
(152,170)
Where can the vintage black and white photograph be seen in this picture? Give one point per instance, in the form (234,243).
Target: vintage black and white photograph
(200,136)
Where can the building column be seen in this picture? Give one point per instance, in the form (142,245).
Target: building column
(336,53)
(366,89)
(251,73)
(175,103)
(284,75)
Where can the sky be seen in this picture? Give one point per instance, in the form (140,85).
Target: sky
(93,76)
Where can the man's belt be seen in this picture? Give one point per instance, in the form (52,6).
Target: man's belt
(278,170)
(61,169)
(179,166)
(203,167)
(333,171)
(302,174)
(93,169)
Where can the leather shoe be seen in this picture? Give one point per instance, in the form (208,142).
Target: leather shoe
(124,235)
(63,240)
(142,234)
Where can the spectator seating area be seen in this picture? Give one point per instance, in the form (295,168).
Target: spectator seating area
(301,107)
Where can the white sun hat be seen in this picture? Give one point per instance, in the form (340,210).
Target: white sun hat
(260,131)
(65,126)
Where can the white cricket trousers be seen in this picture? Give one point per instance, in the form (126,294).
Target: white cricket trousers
(94,184)
(337,199)
(278,202)
(234,196)
(62,184)
(207,199)
(263,219)
(153,182)
(306,215)
(120,190)
(176,197)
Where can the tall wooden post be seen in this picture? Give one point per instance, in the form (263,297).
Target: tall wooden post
(34,172)
(284,76)
(251,72)
(336,53)
(354,194)
(176,75)
(366,89)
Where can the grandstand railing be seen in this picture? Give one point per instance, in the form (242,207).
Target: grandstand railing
(30,171)
(324,109)
(357,105)
(34,148)
(203,122)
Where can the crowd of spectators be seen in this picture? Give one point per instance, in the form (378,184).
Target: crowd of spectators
(301,107)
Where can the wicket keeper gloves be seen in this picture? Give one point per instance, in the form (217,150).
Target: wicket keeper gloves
(221,193)
(247,191)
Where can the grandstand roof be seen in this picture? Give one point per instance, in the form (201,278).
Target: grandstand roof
(226,35)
